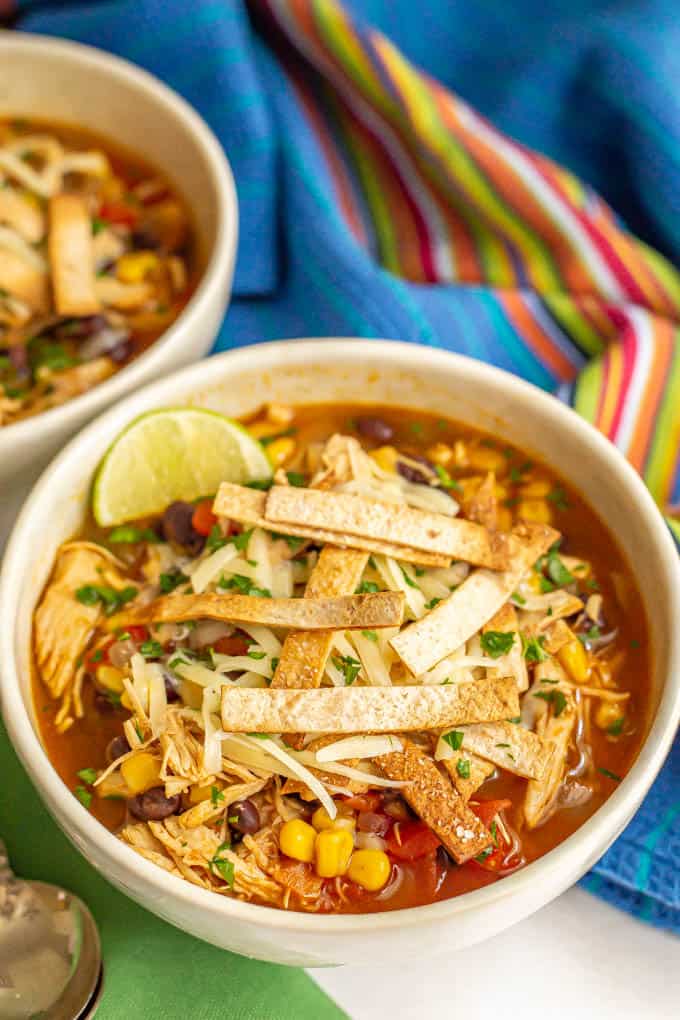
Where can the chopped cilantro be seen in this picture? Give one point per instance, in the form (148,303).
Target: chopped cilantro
(592,634)
(610,775)
(215,539)
(559,498)
(370,634)
(463,768)
(260,483)
(493,829)
(497,642)
(296,479)
(275,664)
(83,795)
(454,739)
(87,775)
(267,440)
(549,681)
(139,733)
(216,795)
(244,586)
(97,655)
(432,603)
(254,653)
(519,599)
(501,745)
(97,226)
(241,540)
(151,649)
(634,643)
(110,598)
(168,582)
(292,541)
(545,585)
(348,666)
(616,728)
(515,719)
(446,480)
(365,587)
(555,698)
(417,428)
(126,533)
(557,570)
(409,580)
(532,648)
(484,854)
(222,867)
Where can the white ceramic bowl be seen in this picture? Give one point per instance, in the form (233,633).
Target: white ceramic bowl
(68,83)
(380,372)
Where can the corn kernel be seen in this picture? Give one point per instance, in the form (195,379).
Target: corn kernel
(296,840)
(343,820)
(141,772)
(263,429)
(135,265)
(608,713)
(440,453)
(198,794)
(280,450)
(280,414)
(460,454)
(500,491)
(370,869)
(110,678)
(385,457)
(125,701)
(504,519)
(574,658)
(468,486)
(536,511)
(332,851)
(536,489)
(482,458)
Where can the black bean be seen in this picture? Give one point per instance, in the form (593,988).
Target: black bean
(177,527)
(79,328)
(171,692)
(121,351)
(375,428)
(411,473)
(143,238)
(244,817)
(153,805)
(116,748)
(103,703)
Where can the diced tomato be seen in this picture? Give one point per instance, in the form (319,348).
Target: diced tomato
(233,645)
(204,520)
(363,802)
(119,213)
(409,840)
(138,633)
(486,810)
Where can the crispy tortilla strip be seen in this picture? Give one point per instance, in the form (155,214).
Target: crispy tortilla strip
(304,654)
(541,794)
(70,253)
(479,772)
(247,506)
(435,800)
(353,785)
(22,280)
(367,709)
(557,635)
(456,619)
(347,612)
(21,215)
(509,746)
(349,514)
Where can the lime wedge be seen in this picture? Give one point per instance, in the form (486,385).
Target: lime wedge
(176,453)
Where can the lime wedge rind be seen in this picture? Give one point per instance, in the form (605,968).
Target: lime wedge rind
(169,454)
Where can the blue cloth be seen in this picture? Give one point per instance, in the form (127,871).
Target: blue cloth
(594,84)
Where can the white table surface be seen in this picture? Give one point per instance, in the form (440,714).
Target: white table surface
(576,959)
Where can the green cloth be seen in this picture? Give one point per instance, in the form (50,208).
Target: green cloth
(151,969)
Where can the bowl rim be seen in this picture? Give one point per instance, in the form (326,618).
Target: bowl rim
(223,249)
(593,836)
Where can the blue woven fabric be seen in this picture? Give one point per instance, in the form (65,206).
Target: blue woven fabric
(596,86)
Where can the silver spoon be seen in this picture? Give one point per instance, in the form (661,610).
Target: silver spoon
(50,953)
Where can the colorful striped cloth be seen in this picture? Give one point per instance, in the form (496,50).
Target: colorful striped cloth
(376,202)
